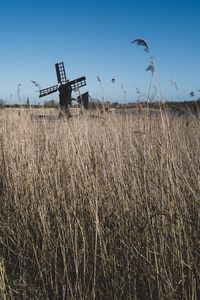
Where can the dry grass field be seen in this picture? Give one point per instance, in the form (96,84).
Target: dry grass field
(99,208)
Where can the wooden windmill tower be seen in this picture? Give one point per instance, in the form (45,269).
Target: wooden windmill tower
(65,88)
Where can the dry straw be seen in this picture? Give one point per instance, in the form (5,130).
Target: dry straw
(99,210)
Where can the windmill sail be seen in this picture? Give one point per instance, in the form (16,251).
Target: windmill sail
(48,91)
(60,71)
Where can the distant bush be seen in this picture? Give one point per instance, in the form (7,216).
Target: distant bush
(2,103)
(51,103)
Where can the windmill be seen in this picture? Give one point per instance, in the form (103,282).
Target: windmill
(65,88)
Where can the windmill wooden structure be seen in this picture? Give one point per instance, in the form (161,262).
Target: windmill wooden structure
(65,88)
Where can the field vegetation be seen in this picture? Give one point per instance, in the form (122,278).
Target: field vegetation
(99,207)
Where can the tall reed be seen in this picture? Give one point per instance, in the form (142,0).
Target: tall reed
(99,208)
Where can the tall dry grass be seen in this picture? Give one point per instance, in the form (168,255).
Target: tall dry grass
(103,208)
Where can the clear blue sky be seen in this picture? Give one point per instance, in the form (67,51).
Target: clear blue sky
(93,38)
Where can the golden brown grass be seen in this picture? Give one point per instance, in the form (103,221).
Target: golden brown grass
(99,208)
